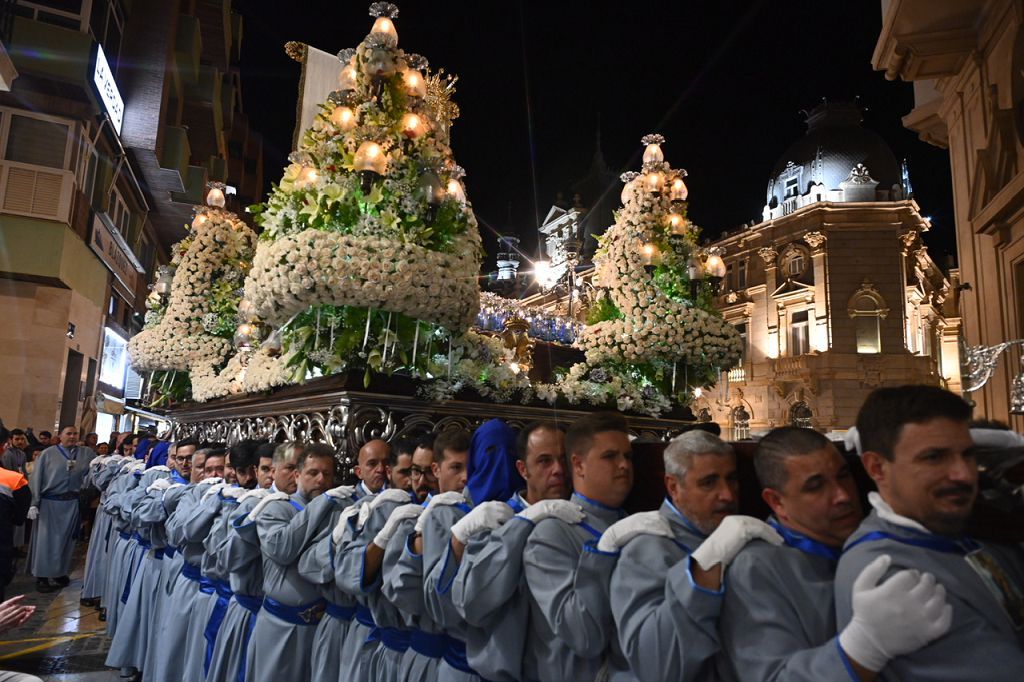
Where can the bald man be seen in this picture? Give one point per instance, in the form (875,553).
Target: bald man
(372,468)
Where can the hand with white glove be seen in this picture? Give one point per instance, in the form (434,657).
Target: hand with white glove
(159,484)
(894,618)
(567,511)
(342,492)
(33,513)
(389,495)
(235,492)
(213,480)
(732,535)
(448,499)
(403,513)
(214,489)
(339,528)
(272,497)
(258,493)
(484,516)
(621,532)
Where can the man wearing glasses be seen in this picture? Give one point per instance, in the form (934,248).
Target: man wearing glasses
(421,473)
(180,461)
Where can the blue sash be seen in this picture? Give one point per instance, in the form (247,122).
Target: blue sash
(207,586)
(804,543)
(345,613)
(303,614)
(396,639)
(365,618)
(220,608)
(429,644)
(249,602)
(170,551)
(455,655)
(252,605)
(124,536)
(191,572)
(60,497)
(917,539)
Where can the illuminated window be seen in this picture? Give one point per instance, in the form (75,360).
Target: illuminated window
(799,334)
(867,309)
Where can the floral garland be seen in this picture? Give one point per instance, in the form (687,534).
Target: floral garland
(597,386)
(193,332)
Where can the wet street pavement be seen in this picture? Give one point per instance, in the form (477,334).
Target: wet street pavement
(62,640)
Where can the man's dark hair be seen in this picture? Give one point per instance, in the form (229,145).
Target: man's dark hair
(452,440)
(313,450)
(404,446)
(184,443)
(216,452)
(46,433)
(580,436)
(780,444)
(426,441)
(243,454)
(886,410)
(33,449)
(265,450)
(17,432)
(523,437)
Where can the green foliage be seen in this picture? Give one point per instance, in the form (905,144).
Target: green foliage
(603,309)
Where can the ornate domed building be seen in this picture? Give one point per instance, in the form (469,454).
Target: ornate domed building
(833,291)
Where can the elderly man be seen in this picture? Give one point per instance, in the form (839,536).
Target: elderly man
(778,619)
(55,482)
(571,623)
(918,450)
(282,638)
(489,590)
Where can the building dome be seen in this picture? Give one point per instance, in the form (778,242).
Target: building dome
(837,160)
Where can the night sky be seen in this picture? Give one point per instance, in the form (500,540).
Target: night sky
(723,81)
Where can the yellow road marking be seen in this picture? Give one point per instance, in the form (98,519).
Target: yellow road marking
(48,642)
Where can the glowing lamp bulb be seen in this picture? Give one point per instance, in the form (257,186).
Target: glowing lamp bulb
(677,224)
(370,157)
(347,79)
(698,392)
(412,126)
(514,366)
(653,154)
(385,26)
(343,118)
(715,266)
(654,182)
(415,85)
(650,254)
(215,197)
(543,273)
(199,221)
(678,191)
(456,191)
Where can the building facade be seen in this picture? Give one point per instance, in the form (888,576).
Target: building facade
(966,61)
(120,114)
(834,291)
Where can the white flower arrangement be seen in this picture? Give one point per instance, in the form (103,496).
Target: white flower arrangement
(479,362)
(586,385)
(315,267)
(177,339)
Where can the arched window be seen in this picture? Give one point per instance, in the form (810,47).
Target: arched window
(800,415)
(740,423)
(867,309)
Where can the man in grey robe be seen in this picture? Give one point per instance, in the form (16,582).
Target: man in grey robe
(126,552)
(187,528)
(55,483)
(571,627)
(666,605)
(282,639)
(778,617)
(489,590)
(372,467)
(919,451)
(102,472)
(128,647)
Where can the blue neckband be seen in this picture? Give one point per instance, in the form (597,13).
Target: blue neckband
(685,521)
(805,544)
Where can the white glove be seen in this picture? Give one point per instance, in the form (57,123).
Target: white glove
(213,480)
(214,489)
(406,511)
(389,495)
(339,528)
(159,484)
(159,467)
(894,618)
(567,511)
(732,535)
(263,503)
(33,513)
(621,532)
(484,516)
(448,499)
(98,462)
(342,492)
(852,440)
(233,491)
(259,493)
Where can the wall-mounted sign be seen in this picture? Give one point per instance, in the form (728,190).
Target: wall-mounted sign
(107,243)
(114,363)
(106,87)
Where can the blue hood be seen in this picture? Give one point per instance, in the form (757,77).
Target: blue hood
(491,473)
